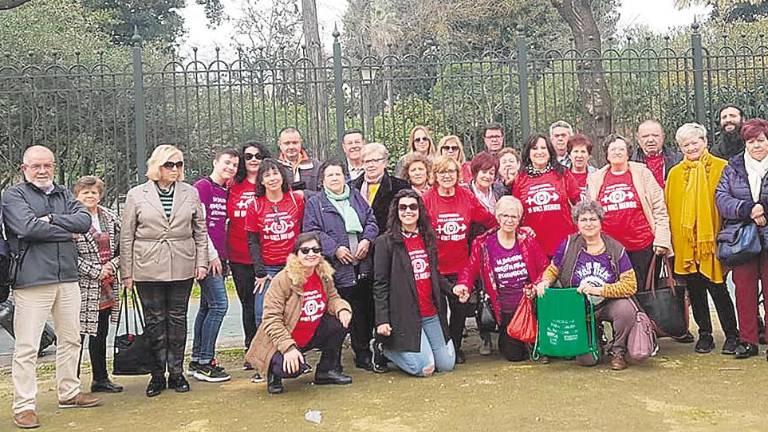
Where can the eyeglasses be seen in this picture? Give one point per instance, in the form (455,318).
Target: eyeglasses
(447,172)
(249,156)
(372,161)
(315,250)
(171,165)
(449,148)
(41,167)
(588,220)
(494,136)
(404,207)
(507,216)
(420,139)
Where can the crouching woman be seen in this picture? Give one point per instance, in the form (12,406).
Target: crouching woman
(415,334)
(302,311)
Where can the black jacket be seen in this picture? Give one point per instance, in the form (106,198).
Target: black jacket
(47,250)
(387,190)
(394,293)
(671,158)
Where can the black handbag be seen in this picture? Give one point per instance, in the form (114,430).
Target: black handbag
(736,247)
(133,354)
(663,301)
(486,319)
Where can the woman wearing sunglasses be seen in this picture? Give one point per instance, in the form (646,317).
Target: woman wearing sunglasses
(163,247)
(405,268)
(420,142)
(302,311)
(451,146)
(242,192)
(273,222)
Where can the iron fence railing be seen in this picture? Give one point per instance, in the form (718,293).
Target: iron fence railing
(104,119)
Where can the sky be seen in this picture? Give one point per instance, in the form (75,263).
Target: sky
(658,15)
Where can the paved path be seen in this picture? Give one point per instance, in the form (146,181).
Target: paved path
(231,333)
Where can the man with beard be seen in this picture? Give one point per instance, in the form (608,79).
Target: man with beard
(730,142)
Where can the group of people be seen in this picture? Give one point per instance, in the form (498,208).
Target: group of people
(317,250)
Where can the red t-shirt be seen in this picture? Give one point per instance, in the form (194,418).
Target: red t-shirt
(451,218)
(414,244)
(624,218)
(581,180)
(656,165)
(313,306)
(547,206)
(241,195)
(278,223)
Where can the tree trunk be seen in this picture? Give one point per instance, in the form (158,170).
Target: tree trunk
(11,4)
(316,138)
(594,95)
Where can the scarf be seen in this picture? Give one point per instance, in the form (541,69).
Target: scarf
(488,201)
(755,172)
(343,206)
(697,203)
(535,172)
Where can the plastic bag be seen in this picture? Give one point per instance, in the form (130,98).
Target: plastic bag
(523,325)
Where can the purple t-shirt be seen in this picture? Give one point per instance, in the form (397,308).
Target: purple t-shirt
(214,199)
(509,271)
(593,268)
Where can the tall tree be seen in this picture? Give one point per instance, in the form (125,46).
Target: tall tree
(593,89)
(268,30)
(317,136)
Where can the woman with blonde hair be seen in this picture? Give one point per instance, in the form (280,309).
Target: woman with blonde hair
(420,142)
(417,170)
(163,248)
(451,146)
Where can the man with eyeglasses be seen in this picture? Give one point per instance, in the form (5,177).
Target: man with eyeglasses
(493,137)
(378,188)
(302,169)
(352,143)
(41,219)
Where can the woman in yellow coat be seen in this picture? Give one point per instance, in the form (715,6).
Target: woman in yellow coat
(695,222)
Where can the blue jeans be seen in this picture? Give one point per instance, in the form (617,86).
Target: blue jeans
(213,307)
(435,352)
(258,298)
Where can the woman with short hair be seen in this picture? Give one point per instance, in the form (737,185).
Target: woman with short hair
(509,165)
(163,248)
(417,170)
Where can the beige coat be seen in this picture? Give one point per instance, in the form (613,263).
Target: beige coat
(282,309)
(154,248)
(651,198)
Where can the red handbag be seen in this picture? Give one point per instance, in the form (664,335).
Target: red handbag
(523,325)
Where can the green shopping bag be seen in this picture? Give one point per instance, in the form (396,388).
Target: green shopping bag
(566,324)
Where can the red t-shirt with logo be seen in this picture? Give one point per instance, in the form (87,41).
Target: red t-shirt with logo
(241,195)
(414,244)
(656,165)
(624,218)
(547,206)
(313,307)
(451,218)
(278,225)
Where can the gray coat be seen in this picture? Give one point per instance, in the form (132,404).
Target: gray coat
(47,250)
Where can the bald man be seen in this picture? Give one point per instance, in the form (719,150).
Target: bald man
(41,219)
(651,151)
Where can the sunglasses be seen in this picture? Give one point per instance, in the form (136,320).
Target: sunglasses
(450,148)
(249,156)
(307,250)
(171,165)
(404,207)
(420,139)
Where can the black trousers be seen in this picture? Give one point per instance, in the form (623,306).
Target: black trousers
(459,313)
(698,286)
(360,297)
(244,277)
(641,263)
(97,348)
(328,338)
(165,318)
(512,349)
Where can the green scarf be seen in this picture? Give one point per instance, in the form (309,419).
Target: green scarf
(342,205)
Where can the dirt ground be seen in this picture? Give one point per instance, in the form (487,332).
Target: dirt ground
(676,391)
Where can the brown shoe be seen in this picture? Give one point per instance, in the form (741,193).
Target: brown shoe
(617,362)
(26,420)
(82,400)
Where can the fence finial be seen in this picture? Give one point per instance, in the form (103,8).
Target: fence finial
(136,38)
(335,33)
(695,26)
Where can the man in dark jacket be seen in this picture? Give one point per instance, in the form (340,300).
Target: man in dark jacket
(301,168)
(41,219)
(729,142)
(651,151)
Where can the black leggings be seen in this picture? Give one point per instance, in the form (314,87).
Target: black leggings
(512,349)
(245,277)
(97,347)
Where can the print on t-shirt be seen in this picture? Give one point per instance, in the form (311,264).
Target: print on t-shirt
(278,226)
(618,196)
(451,227)
(540,197)
(241,206)
(313,306)
(593,272)
(420,263)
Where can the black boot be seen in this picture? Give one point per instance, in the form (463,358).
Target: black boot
(379,359)
(105,386)
(274,383)
(178,383)
(332,377)
(156,385)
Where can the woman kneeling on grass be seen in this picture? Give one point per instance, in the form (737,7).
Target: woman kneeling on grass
(302,311)
(405,268)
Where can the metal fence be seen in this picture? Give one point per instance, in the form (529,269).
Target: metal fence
(103,120)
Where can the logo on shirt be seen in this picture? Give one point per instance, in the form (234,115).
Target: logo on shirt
(594,273)
(541,198)
(241,207)
(313,306)
(278,226)
(451,227)
(618,197)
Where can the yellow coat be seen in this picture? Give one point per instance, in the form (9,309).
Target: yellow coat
(674,190)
